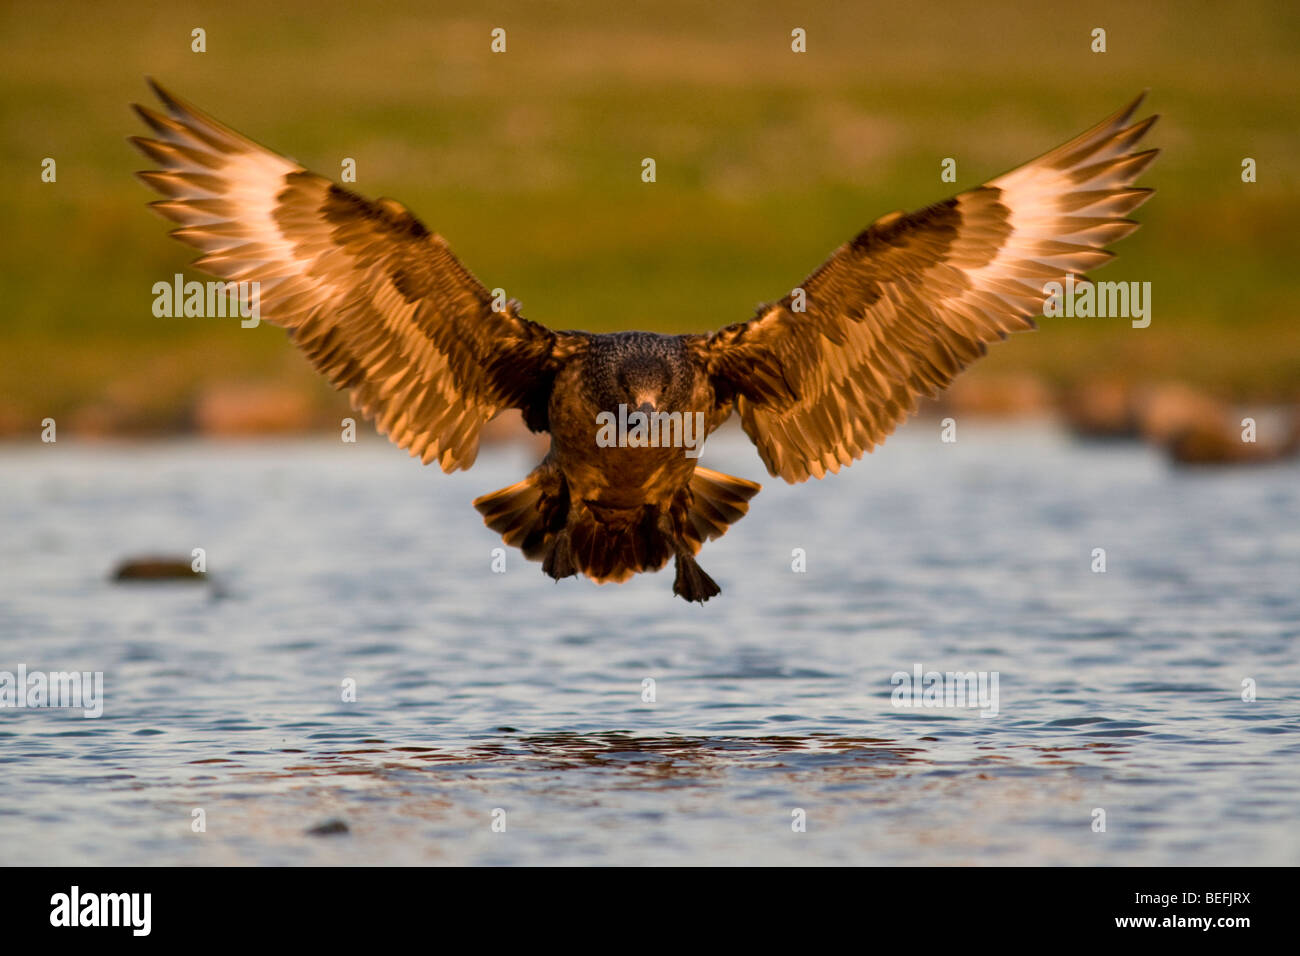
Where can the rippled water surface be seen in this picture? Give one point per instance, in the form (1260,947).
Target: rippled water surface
(479,692)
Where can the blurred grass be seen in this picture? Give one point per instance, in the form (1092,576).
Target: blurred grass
(529,163)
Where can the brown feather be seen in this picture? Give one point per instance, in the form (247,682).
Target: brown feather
(896,313)
(378,303)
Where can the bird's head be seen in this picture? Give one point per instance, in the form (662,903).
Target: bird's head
(643,374)
(643,383)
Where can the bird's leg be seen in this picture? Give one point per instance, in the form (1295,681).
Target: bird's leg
(691,582)
(559,559)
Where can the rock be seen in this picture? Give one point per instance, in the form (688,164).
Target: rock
(1008,396)
(157,569)
(1167,410)
(1210,443)
(329,828)
(1100,410)
(252,409)
(100,420)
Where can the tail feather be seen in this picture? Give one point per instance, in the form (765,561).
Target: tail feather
(528,514)
(610,545)
(717,501)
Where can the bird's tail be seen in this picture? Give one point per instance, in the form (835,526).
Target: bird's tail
(607,543)
(716,502)
(583,537)
(612,544)
(530,513)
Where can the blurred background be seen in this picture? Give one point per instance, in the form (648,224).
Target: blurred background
(529,163)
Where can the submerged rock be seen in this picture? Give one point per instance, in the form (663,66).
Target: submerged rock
(329,828)
(157,569)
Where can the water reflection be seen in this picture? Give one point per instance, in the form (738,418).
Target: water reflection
(645,760)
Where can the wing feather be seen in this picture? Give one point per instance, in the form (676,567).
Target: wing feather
(896,313)
(379,304)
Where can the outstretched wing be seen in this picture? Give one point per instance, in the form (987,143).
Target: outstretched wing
(378,303)
(901,309)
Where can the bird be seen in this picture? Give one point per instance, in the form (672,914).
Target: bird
(384,310)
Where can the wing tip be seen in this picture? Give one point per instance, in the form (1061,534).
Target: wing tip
(173,104)
(1126,112)
(149,116)
(1142,127)
(139,143)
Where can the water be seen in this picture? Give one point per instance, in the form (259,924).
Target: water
(478,691)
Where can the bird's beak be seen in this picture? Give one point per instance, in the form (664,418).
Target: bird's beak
(646,408)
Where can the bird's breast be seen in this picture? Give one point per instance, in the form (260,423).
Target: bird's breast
(626,456)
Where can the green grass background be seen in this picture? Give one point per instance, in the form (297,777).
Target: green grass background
(529,163)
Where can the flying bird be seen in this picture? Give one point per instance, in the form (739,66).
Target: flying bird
(384,310)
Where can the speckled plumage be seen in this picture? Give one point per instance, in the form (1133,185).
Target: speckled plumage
(383,309)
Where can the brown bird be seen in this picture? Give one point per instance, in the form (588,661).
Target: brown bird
(383,309)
